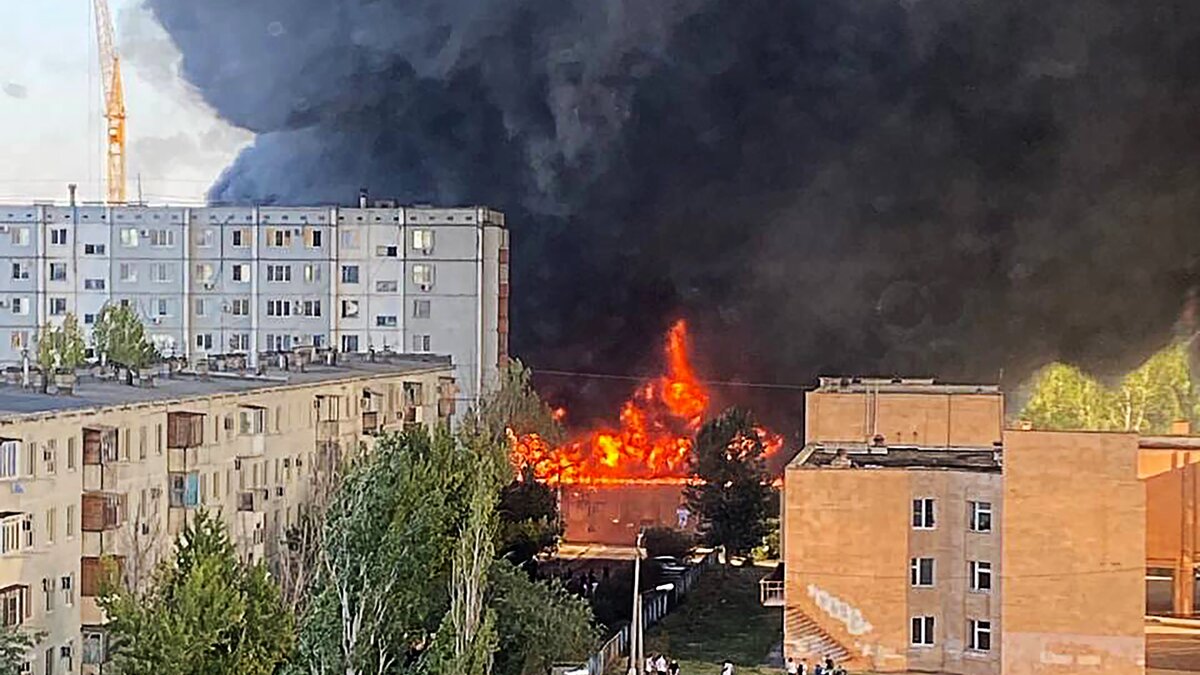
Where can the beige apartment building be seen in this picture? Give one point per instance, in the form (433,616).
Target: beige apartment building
(114,471)
(919,534)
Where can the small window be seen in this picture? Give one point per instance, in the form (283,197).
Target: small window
(313,237)
(312,308)
(241,273)
(160,273)
(58,237)
(20,236)
(350,274)
(93,284)
(981,576)
(386,286)
(422,275)
(58,271)
(981,516)
(200,306)
(923,514)
(20,306)
(239,238)
(240,307)
(20,270)
(422,240)
(204,273)
(387,251)
(422,343)
(922,631)
(58,306)
(980,635)
(421,309)
(921,572)
(129,237)
(204,341)
(386,320)
(312,272)
(279,273)
(93,249)
(349,239)
(128,272)
(205,238)
(349,309)
(349,343)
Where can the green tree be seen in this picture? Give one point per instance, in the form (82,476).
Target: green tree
(516,405)
(668,541)
(1147,400)
(539,623)
(62,347)
(732,493)
(120,338)
(529,521)
(205,613)
(14,646)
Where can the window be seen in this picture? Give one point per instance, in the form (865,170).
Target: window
(387,251)
(142,443)
(421,343)
(200,306)
(422,240)
(58,237)
(94,249)
(20,270)
(921,571)
(20,236)
(981,516)
(128,272)
(162,307)
(204,273)
(10,454)
(239,342)
(349,343)
(241,272)
(16,533)
(349,309)
(279,273)
(160,272)
(922,631)
(129,237)
(162,238)
(93,284)
(981,576)
(67,585)
(252,420)
(385,320)
(279,343)
(384,286)
(312,308)
(93,648)
(58,271)
(312,272)
(349,239)
(158,439)
(58,306)
(50,456)
(50,661)
(350,274)
(312,237)
(20,306)
(70,530)
(279,308)
(979,635)
(922,515)
(204,341)
(51,521)
(422,275)
(89,319)
(421,309)
(240,238)
(279,237)
(240,307)
(13,604)
(48,588)
(71,451)
(205,238)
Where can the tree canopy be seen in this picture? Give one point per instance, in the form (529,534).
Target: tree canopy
(61,347)
(205,613)
(1147,400)
(120,338)
(732,493)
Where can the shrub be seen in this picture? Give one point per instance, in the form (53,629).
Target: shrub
(667,541)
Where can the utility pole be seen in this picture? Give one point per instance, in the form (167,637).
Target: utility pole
(635,624)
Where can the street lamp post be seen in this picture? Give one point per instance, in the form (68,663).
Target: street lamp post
(635,625)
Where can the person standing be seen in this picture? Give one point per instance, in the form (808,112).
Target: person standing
(790,667)
(673,669)
(660,665)
(727,668)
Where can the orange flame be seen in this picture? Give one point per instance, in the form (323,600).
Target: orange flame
(653,442)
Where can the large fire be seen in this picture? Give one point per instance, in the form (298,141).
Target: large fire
(652,442)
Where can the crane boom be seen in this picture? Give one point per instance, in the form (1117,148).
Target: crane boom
(114,104)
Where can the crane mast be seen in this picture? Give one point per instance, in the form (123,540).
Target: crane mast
(114,105)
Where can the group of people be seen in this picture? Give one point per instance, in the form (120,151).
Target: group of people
(657,664)
(826,667)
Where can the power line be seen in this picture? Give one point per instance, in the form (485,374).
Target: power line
(716,383)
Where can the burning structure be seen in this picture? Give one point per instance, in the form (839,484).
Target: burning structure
(614,480)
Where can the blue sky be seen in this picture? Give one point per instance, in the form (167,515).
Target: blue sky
(51,115)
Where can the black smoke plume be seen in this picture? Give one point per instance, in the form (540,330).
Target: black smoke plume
(946,187)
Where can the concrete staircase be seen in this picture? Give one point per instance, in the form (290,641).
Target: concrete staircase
(801,632)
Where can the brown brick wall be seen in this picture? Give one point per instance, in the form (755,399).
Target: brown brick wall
(932,420)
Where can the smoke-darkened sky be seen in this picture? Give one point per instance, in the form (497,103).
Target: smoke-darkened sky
(942,187)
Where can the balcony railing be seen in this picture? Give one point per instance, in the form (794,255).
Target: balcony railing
(770,588)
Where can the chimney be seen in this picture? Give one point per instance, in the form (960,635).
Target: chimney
(1181,428)
(71,189)
(362,198)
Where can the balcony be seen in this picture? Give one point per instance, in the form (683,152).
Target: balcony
(99,445)
(96,573)
(101,511)
(185,490)
(185,429)
(770,588)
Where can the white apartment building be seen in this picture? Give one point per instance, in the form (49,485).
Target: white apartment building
(265,280)
(114,472)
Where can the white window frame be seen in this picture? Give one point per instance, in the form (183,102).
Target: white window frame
(160,273)
(96,284)
(206,238)
(349,343)
(162,238)
(978,570)
(10,459)
(58,236)
(129,237)
(422,309)
(977,628)
(20,236)
(20,270)
(978,510)
(423,240)
(57,306)
(924,513)
(916,569)
(424,276)
(348,271)
(127,272)
(921,631)
(422,344)
(205,273)
(242,304)
(386,286)
(386,321)
(279,274)
(240,273)
(20,306)
(58,271)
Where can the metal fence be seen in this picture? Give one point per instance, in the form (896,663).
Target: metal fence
(655,605)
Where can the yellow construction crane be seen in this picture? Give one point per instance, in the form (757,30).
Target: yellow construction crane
(114,104)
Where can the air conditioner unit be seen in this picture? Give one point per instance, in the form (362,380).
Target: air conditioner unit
(425,287)
(208,286)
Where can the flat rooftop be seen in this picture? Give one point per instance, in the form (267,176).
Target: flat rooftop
(92,392)
(900,385)
(862,456)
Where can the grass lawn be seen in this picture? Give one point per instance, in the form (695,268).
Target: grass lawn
(720,619)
